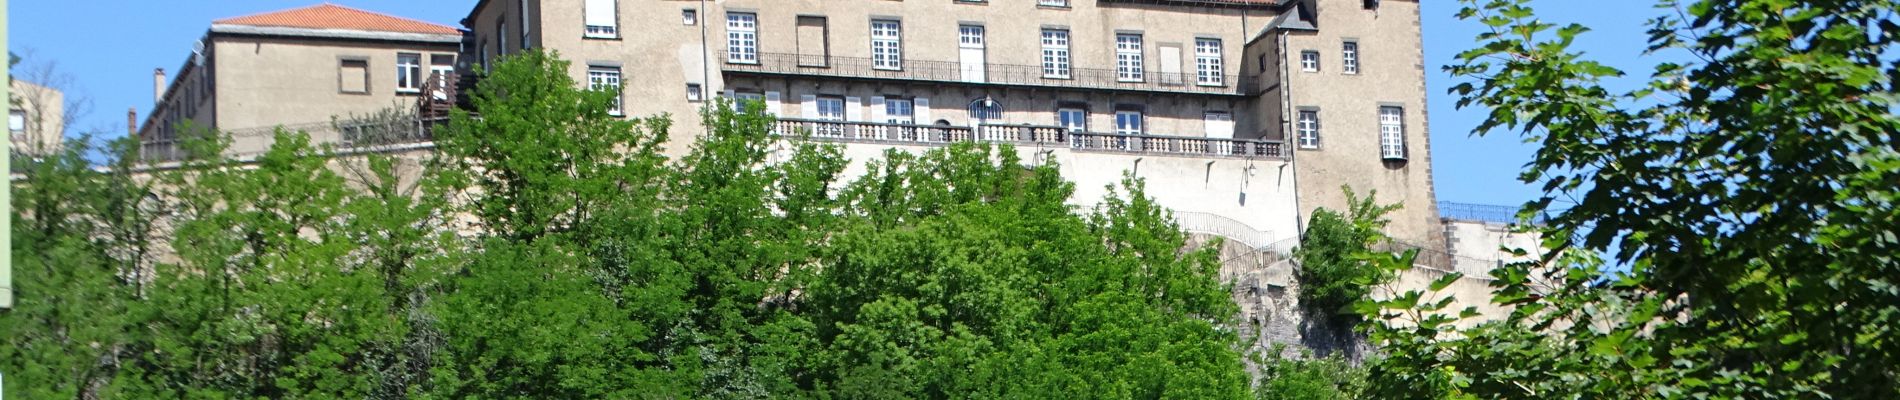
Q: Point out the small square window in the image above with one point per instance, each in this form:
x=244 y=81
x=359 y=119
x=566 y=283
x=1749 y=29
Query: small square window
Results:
x=693 y=93
x=689 y=17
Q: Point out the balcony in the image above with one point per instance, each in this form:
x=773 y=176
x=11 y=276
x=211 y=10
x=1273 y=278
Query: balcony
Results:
x=1048 y=136
x=789 y=64
x=341 y=137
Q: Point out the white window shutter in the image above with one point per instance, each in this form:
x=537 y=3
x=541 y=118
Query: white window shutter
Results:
x=877 y=110
x=920 y=109
x=600 y=13
x=808 y=106
x=773 y=105
x=854 y=109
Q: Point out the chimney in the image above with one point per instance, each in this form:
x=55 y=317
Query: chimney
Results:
x=132 y=122
x=158 y=85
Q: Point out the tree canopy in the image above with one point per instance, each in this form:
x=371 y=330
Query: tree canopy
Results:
x=1747 y=197
x=550 y=250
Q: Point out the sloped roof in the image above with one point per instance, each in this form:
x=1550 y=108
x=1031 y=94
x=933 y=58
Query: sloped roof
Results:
x=331 y=16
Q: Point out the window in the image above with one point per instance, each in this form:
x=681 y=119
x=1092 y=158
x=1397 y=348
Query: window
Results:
x=1128 y=58
x=1309 y=61
x=442 y=64
x=689 y=17
x=524 y=23
x=1350 y=55
x=1391 y=133
x=1053 y=3
x=1128 y=122
x=830 y=108
x=1308 y=127
x=353 y=76
x=1055 y=53
x=886 y=52
x=408 y=72
x=16 y=121
x=985 y=110
x=1075 y=119
x=742 y=38
x=1207 y=62
x=693 y=92
x=606 y=78
x=602 y=19
x=899 y=111
x=970 y=36
x=501 y=34
x=741 y=99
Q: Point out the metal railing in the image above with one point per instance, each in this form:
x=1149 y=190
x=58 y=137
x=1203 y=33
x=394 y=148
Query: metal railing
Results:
x=873 y=132
x=440 y=92
x=343 y=137
x=992 y=73
x=1482 y=213
x=1232 y=229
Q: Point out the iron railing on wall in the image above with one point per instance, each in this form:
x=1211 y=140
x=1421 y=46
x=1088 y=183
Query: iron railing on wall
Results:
x=1482 y=213
x=998 y=74
x=343 y=137
x=872 y=132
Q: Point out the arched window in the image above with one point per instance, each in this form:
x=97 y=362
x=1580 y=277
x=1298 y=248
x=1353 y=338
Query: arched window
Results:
x=986 y=110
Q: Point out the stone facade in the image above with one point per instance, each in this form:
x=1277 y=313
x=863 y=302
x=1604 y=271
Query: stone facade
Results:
x=252 y=73
x=36 y=118
x=1209 y=69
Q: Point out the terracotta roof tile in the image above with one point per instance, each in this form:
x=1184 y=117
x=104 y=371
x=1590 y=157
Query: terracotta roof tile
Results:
x=331 y=16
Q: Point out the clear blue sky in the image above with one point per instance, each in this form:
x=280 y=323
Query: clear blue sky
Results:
x=111 y=46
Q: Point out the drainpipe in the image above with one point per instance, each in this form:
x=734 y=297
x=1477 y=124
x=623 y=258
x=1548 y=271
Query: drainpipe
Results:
x=705 y=60
x=1286 y=126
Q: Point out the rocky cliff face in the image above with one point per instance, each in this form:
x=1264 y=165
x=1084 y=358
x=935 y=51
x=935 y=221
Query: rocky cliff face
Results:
x=1267 y=289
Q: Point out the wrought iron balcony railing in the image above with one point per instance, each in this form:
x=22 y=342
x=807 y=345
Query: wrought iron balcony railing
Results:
x=872 y=132
x=342 y=138
x=991 y=73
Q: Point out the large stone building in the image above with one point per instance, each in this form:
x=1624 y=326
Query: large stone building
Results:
x=1324 y=93
x=1242 y=116
x=298 y=68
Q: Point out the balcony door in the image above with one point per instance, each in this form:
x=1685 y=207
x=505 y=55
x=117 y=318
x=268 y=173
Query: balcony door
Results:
x=970 y=52
x=1220 y=125
x=441 y=68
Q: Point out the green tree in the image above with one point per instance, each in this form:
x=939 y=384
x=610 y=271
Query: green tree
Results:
x=965 y=275
x=547 y=305
x=261 y=301
x=1749 y=191
x=1307 y=378
x=75 y=280
x=682 y=271
x=1332 y=278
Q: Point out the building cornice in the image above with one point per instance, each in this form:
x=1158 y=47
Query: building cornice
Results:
x=336 y=34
